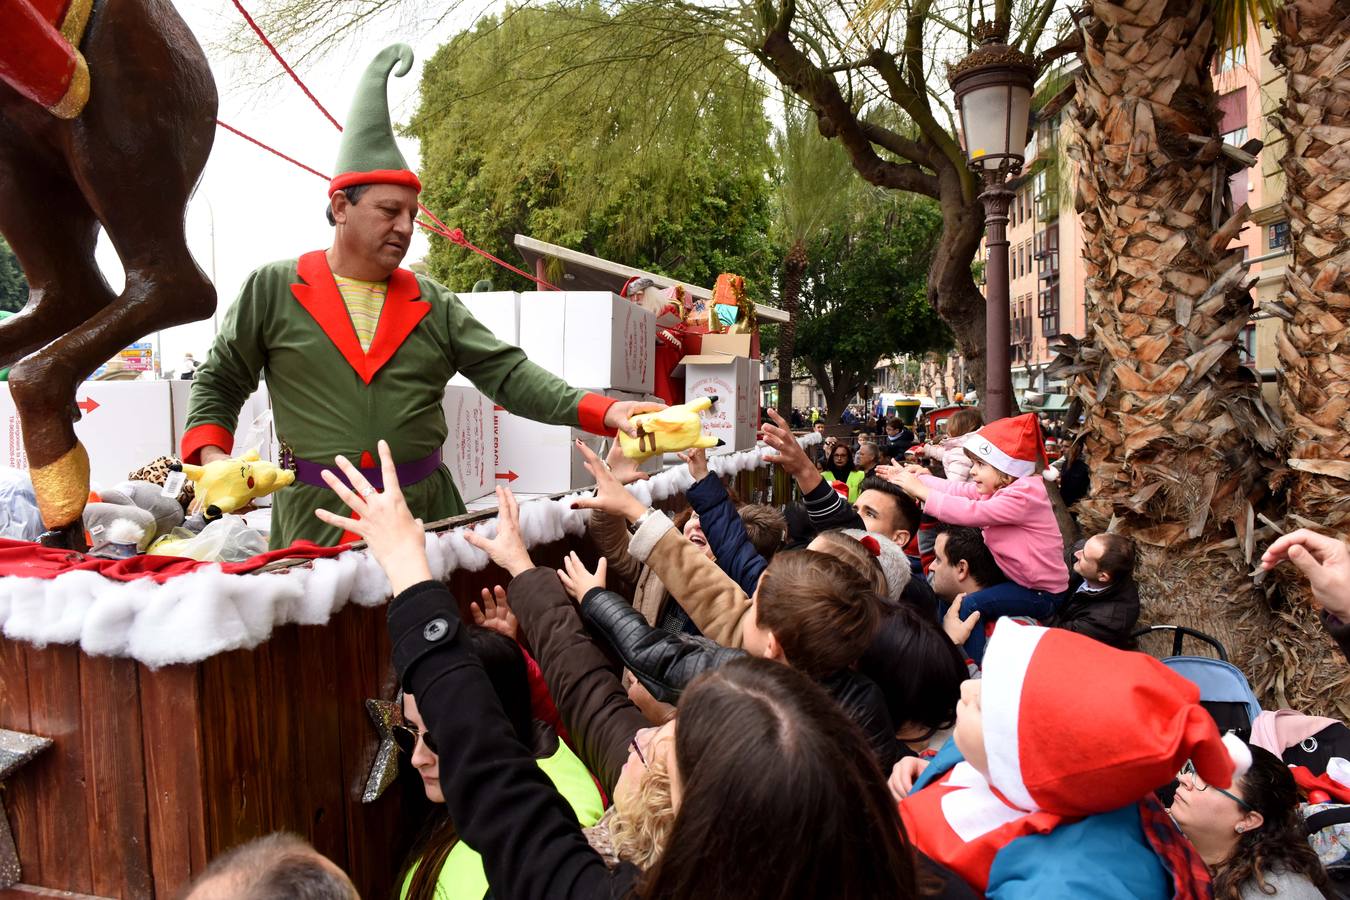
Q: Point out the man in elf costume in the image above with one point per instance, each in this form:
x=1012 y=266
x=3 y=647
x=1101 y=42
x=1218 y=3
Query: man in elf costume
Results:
x=356 y=349
x=1045 y=789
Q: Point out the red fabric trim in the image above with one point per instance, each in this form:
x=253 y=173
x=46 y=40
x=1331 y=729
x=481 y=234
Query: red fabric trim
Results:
x=591 y=414
x=35 y=59
x=207 y=434
x=29 y=560
x=375 y=176
x=320 y=297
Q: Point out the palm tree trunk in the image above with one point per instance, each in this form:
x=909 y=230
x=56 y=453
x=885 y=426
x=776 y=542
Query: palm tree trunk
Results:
x=1176 y=435
x=794 y=264
x=1312 y=38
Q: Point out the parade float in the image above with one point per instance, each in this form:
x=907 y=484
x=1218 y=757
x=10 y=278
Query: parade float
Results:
x=162 y=697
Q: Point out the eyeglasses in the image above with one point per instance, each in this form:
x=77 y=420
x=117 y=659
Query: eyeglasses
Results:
x=1199 y=785
x=638 y=750
x=406 y=737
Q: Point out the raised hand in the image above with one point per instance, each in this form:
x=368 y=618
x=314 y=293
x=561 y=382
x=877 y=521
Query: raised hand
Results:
x=577 y=579
x=494 y=613
x=625 y=470
x=1325 y=561
x=610 y=495
x=396 y=539
x=696 y=458
x=507 y=549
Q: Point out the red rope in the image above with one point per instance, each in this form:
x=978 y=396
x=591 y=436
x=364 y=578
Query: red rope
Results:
x=435 y=226
x=455 y=236
x=289 y=71
x=272 y=150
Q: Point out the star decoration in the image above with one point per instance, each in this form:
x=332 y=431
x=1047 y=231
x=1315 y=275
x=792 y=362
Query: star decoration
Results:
x=385 y=714
x=16 y=748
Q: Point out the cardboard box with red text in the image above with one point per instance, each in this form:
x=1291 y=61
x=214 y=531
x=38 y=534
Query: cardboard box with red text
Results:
x=610 y=343
x=470 y=451
x=733 y=380
x=534 y=458
x=123 y=425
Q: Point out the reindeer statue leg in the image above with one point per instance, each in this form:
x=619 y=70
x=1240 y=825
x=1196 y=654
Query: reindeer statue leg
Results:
x=137 y=151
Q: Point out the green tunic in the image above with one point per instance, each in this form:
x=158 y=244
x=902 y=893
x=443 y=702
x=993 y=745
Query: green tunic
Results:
x=330 y=397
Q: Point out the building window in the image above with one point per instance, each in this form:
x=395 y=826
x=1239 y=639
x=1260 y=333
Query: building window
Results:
x=1247 y=345
x=1232 y=59
x=1277 y=235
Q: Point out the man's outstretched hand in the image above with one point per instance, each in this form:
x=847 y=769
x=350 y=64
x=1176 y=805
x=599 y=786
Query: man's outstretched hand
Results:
x=618 y=414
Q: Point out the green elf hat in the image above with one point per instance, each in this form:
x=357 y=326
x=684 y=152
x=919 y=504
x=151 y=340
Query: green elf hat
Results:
x=368 y=154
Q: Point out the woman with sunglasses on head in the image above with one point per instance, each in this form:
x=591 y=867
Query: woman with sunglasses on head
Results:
x=440 y=866
x=774 y=790
x=1250 y=836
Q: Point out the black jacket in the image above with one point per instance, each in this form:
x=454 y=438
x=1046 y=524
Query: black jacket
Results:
x=501 y=802
x=666 y=663
x=1109 y=615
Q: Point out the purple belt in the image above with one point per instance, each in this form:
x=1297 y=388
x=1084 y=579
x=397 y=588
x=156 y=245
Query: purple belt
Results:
x=408 y=472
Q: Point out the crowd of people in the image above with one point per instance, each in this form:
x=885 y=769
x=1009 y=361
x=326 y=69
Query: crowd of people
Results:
x=906 y=684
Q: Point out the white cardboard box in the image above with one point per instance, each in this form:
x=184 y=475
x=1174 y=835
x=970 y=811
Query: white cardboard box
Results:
x=469 y=449
x=254 y=428
x=499 y=312
x=732 y=379
x=534 y=458
x=124 y=425
x=543 y=329
x=610 y=343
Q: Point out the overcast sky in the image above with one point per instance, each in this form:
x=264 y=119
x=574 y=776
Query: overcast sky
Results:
x=252 y=207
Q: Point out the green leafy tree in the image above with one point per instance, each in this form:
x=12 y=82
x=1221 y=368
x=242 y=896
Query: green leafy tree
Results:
x=661 y=162
x=814 y=176
x=865 y=293
x=13 y=286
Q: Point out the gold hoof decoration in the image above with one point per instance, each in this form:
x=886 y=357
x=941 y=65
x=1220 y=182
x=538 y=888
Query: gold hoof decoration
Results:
x=62 y=487
x=76 y=96
x=75 y=20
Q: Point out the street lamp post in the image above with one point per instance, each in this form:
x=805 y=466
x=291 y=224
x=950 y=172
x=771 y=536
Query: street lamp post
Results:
x=993 y=99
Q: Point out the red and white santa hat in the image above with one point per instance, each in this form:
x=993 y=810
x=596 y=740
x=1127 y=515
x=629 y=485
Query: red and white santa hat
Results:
x=840 y=488
x=1013 y=446
x=1074 y=727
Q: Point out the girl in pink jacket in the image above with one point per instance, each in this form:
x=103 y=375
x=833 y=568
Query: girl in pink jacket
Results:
x=951 y=451
x=1007 y=500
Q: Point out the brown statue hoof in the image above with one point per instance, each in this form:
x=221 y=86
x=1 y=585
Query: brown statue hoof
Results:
x=70 y=537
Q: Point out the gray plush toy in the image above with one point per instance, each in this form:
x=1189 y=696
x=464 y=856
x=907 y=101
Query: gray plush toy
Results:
x=140 y=503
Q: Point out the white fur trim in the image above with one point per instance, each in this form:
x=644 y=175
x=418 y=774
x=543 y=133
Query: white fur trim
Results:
x=644 y=540
x=989 y=452
x=1239 y=752
x=195 y=616
x=1005 y=667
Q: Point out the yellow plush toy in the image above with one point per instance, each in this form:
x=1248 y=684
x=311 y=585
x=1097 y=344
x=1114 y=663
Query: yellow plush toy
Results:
x=670 y=430
x=229 y=484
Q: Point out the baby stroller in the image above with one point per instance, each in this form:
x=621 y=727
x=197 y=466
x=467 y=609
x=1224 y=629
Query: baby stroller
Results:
x=1224 y=690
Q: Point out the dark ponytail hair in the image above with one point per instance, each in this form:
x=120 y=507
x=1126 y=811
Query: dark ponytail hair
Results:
x=1280 y=843
x=782 y=797
x=505 y=667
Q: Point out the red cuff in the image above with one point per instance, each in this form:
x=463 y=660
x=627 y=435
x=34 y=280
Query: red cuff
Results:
x=591 y=414
x=208 y=435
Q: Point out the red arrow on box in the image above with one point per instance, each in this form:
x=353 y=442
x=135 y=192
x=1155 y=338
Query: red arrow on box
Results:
x=88 y=405
x=499 y=409
x=508 y=477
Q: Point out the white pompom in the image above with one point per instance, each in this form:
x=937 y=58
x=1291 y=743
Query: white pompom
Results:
x=1239 y=752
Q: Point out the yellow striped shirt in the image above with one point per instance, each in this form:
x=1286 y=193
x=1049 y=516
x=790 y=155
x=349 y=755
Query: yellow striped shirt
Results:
x=364 y=300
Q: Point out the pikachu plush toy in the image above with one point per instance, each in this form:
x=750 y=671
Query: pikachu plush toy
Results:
x=670 y=430
x=230 y=484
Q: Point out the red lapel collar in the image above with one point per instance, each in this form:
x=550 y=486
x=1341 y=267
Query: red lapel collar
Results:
x=318 y=294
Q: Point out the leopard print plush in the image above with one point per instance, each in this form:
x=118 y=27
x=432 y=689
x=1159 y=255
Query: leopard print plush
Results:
x=157 y=471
